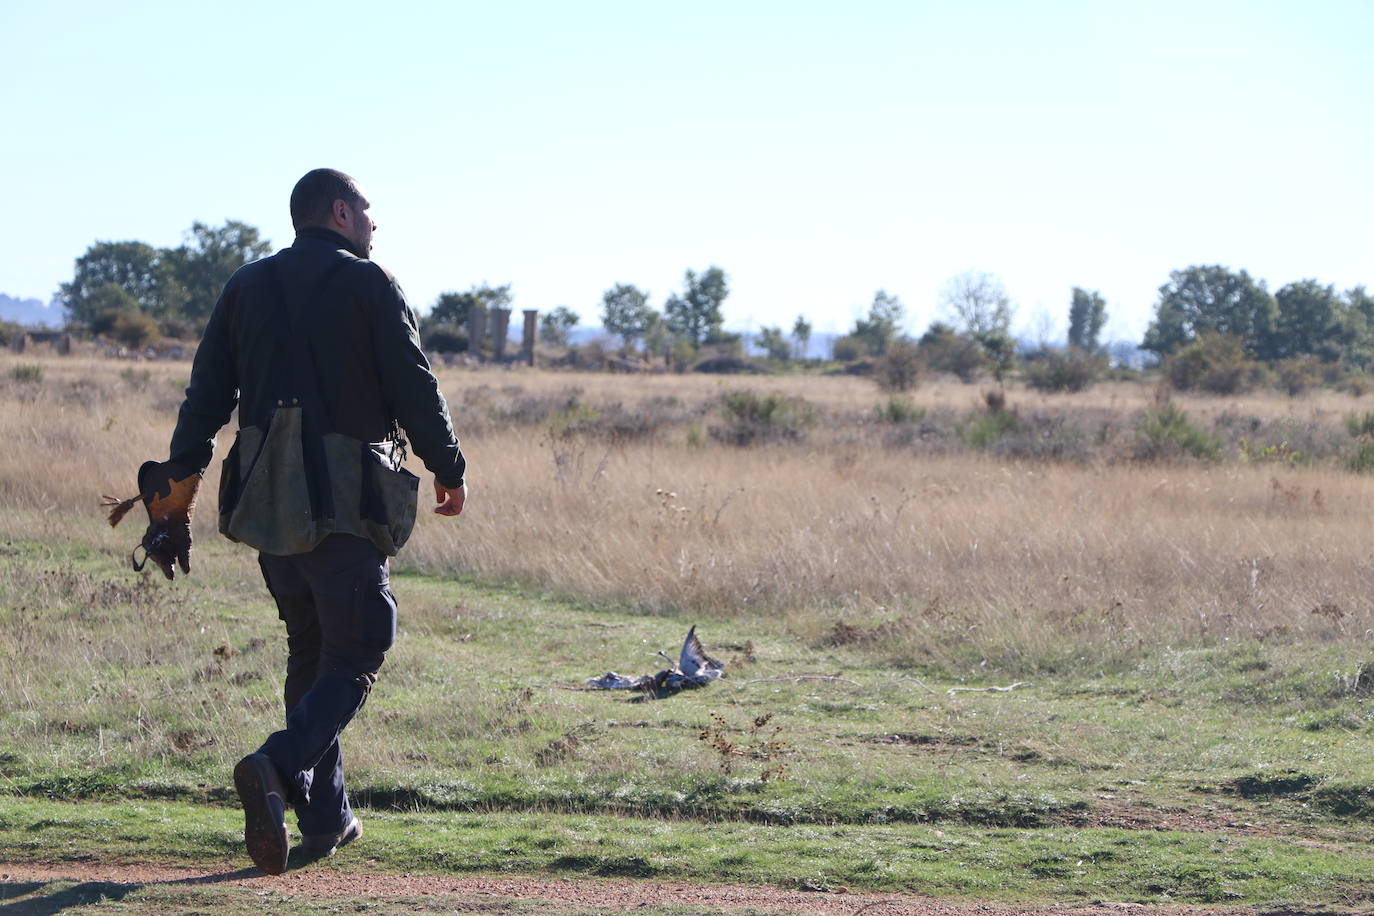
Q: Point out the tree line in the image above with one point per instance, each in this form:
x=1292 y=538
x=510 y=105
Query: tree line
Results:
x=1304 y=318
x=135 y=292
x=690 y=319
x=1213 y=328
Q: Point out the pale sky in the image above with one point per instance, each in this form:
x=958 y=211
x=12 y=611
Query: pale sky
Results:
x=815 y=151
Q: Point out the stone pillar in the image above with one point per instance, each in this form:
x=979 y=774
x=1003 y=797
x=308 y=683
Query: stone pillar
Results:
x=64 y=345
x=531 y=327
x=477 y=330
x=500 y=325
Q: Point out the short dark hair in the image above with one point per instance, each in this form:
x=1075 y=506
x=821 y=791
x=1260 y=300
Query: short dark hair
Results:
x=313 y=196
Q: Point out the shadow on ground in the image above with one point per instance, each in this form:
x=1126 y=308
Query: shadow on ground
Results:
x=61 y=897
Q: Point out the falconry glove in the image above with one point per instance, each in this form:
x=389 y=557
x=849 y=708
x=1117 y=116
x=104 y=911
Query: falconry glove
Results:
x=168 y=492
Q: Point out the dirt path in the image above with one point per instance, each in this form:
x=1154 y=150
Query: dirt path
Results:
x=614 y=895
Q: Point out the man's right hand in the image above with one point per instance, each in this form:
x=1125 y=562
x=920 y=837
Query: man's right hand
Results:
x=450 y=501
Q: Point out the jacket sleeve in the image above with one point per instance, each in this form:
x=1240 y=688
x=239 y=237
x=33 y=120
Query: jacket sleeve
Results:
x=409 y=387
x=212 y=393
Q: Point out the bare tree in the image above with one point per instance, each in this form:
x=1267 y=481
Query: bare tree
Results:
x=977 y=303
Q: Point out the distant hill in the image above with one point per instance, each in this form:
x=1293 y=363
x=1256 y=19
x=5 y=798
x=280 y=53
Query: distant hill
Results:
x=31 y=312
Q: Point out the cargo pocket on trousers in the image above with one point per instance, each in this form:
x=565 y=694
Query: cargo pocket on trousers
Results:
x=295 y=606
x=374 y=614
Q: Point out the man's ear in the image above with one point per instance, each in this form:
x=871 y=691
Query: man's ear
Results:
x=341 y=212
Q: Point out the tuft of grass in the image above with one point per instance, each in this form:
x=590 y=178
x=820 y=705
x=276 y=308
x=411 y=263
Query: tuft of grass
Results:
x=983 y=429
x=752 y=418
x=27 y=373
x=1167 y=431
x=1361 y=460
x=898 y=409
x=136 y=378
x=1359 y=423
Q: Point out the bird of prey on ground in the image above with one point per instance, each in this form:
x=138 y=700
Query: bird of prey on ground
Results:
x=694 y=668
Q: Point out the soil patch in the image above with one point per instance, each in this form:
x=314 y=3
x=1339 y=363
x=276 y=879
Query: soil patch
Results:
x=615 y=896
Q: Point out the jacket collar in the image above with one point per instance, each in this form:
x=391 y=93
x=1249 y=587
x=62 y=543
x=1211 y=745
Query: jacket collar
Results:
x=320 y=234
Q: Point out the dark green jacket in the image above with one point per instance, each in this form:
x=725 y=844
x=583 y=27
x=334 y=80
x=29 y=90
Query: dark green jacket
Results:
x=370 y=368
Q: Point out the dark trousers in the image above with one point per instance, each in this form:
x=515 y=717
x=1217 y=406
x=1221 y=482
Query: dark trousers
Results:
x=340 y=620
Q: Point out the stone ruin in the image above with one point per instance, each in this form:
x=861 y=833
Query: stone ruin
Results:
x=493 y=326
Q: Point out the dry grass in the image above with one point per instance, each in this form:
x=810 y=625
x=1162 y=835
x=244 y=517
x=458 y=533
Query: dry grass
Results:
x=939 y=555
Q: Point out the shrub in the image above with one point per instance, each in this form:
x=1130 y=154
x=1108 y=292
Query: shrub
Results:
x=681 y=352
x=1064 y=370
x=899 y=410
x=1360 y=424
x=136 y=378
x=1332 y=372
x=1043 y=437
x=729 y=365
x=847 y=349
x=1362 y=461
x=943 y=350
x=1215 y=363
x=1167 y=432
x=861 y=367
x=722 y=343
x=589 y=355
x=9 y=332
x=771 y=409
x=574 y=418
x=999 y=351
x=1289 y=440
x=613 y=422
x=178 y=327
x=1296 y=376
x=899 y=369
x=134 y=328
x=982 y=430
x=128 y=324
x=753 y=418
x=102 y=322
x=27 y=372
x=445 y=338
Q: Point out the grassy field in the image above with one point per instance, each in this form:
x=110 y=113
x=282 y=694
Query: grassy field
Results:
x=1188 y=639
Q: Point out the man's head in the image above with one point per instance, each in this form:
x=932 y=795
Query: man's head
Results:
x=329 y=199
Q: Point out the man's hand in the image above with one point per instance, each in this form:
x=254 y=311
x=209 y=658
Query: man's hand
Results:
x=450 y=501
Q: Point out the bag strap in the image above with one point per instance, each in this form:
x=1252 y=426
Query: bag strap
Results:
x=302 y=388
x=296 y=378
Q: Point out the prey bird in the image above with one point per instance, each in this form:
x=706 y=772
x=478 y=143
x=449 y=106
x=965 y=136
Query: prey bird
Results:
x=694 y=668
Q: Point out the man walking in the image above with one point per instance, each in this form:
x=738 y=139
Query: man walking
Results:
x=319 y=351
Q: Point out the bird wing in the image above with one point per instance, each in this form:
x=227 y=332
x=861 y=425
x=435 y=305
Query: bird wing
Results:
x=694 y=662
x=612 y=681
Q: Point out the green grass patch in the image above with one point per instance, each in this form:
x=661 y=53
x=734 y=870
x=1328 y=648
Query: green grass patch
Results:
x=1070 y=865
x=477 y=743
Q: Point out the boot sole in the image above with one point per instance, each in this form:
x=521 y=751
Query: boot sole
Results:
x=264 y=824
x=320 y=851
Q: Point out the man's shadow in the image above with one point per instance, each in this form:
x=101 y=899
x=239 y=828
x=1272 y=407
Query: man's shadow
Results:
x=89 y=892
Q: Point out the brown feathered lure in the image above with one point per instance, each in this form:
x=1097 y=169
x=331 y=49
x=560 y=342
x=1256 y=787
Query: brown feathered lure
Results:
x=168 y=491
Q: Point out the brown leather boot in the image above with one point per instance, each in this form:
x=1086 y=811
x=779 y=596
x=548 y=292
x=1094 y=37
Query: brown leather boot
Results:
x=264 y=812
